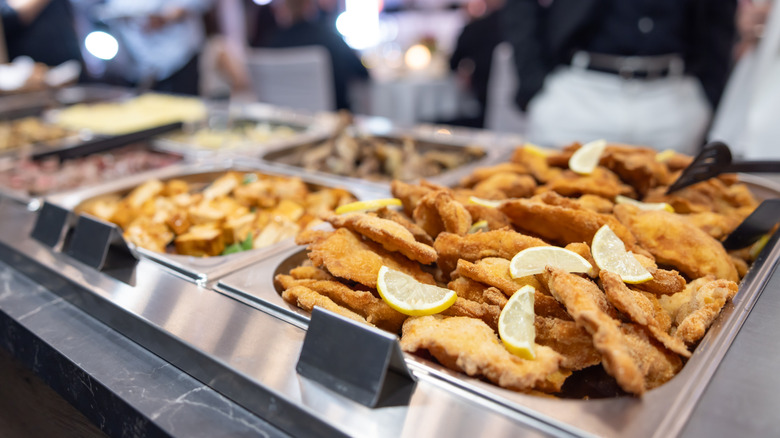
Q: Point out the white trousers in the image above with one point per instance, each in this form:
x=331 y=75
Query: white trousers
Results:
x=583 y=105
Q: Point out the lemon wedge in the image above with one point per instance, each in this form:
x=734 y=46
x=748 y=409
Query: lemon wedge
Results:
x=516 y=323
x=531 y=261
x=485 y=202
x=757 y=247
x=620 y=199
x=610 y=254
x=665 y=155
x=373 y=204
x=405 y=294
x=585 y=159
x=536 y=150
x=479 y=226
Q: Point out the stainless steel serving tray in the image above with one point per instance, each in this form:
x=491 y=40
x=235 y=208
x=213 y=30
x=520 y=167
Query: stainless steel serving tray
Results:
x=198 y=269
x=305 y=127
x=661 y=412
x=443 y=139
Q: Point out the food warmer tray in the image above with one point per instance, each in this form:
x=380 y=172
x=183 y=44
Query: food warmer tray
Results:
x=306 y=127
x=35 y=102
x=199 y=269
x=246 y=348
x=443 y=139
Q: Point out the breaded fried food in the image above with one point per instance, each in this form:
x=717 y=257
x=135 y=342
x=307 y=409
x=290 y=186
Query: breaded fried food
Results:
x=572 y=342
x=715 y=195
x=308 y=272
x=585 y=302
x=536 y=163
x=364 y=303
x=563 y=225
x=636 y=166
x=488 y=313
x=409 y=194
x=481 y=174
x=476 y=291
x=664 y=282
x=391 y=235
x=437 y=212
x=419 y=234
x=676 y=242
x=511 y=185
x=494 y=271
x=583 y=250
x=346 y=255
x=306 y=299
x=494 y=218
x=719 y=225
x=503 y=243
x=695 y=309
x=470 y=346
x=601 y=182
x=596 y=203
x=657 y=364
x=643 y=308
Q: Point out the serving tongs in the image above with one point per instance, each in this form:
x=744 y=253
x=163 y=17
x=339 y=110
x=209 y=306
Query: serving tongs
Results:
x=760 y=222
x=714 y=159
x=107 y=143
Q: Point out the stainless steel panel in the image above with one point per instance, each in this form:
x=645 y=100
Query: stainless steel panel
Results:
x=199 y=269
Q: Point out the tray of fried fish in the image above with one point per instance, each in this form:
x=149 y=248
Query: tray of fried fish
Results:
x=612 y=358
x=203 y=220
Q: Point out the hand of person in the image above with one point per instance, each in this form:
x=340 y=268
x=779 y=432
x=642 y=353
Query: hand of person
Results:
x=751 y=18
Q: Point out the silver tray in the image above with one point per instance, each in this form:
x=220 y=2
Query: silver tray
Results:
x=425 y=140
x=661 y=412
x=305 y=127
x=198 y=269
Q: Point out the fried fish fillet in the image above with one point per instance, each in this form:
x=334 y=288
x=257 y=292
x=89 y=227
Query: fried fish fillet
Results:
x=391 y=235
x=470 y=346
x=601 y=182
x=345 y=255
x=676 y=242
x=306 y=299
x=481 y=174
x=664 y=282
x=437 y=212
x=364 y=303
x=643 y=308
x=585 y=302
x=511 y=185
x=488 y=313
x=476 y=291
x=563 y=225
x=494 y=218
x=536 y=164
x=419 y=234
x=503 y=243
x=308 y=272
x=695 y=309
x=657 y=364
x=572 y=342
x=636 y=166
x=409 y=194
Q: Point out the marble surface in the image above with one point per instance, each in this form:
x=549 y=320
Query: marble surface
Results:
x=121 y=387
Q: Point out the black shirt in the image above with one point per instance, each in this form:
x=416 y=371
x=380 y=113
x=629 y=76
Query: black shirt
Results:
x=476 y=43
x=50 y=38
x=638 y=28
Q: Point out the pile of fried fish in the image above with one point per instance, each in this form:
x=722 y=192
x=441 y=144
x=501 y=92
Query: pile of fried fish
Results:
x=640 y=334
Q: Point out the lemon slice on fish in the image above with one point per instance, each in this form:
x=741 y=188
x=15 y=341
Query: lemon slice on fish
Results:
x=516 y=323
x=479 y=226
x=485 y=202
x=537 y=150
x=585 y=159
x=373 y=204
x=665 y=155
x=405 y=294
x=610 y=254
x=757 y=247
x=620 y=199
x=531 y=261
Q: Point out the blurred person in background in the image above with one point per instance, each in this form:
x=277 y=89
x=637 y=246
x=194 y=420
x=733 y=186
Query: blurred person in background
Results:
x=473 y=54
x=644 y=72
x=299 y=26
x=40 y=29
x=223 y=72
x=163 y=38
x=747 y=120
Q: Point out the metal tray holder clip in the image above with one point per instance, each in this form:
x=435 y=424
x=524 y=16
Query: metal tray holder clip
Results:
x=362 y=363
x=99 y=244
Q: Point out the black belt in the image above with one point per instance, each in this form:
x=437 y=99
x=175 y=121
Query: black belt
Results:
x=630 y=67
